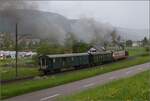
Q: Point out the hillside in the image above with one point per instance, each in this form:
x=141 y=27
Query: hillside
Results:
x=40 y=24
x=54 y=27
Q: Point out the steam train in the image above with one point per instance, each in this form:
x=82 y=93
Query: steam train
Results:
x=59 y=62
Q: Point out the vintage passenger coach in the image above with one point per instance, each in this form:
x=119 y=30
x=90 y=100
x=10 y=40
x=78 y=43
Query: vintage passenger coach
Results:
x=55 y=63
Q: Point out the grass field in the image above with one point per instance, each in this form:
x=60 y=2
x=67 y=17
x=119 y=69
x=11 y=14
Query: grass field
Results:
x=136 y=51
x=8 y=71
x=21 y=61
x=136 y=88
x=18 y=88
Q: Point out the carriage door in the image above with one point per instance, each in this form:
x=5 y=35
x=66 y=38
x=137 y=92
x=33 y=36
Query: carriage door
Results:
x=43 y=63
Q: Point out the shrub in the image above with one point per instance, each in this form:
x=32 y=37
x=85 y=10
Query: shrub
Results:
x=147 y=49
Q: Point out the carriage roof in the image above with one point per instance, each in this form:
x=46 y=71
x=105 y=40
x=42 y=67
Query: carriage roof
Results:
x=74 y=54
x=66 y=55
x=96 y=53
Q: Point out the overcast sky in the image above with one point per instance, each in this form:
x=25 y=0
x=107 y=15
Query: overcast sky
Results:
x=127 y=14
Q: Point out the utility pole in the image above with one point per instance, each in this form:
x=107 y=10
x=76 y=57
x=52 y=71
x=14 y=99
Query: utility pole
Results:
x=16 y=48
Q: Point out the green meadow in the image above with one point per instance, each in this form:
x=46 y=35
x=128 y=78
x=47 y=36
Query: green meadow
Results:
x=136 y=88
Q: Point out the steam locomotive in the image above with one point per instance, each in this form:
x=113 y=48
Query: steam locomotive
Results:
x=59 y=62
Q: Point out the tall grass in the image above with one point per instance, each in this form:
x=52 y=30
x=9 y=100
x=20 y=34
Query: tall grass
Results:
x=25 y=68
x=9 y=73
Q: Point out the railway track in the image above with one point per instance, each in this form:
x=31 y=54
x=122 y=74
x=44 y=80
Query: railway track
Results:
x=16 y=80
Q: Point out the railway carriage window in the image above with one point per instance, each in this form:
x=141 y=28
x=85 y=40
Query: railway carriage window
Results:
x=72 y=58
x=83 y=58
x=54 y=60
x=63 y=63
x=80 y=58
x=43 y=60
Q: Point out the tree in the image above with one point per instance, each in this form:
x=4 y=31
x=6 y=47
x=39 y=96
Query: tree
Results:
x=114 y=36
x=45 y=48
x=7 y=42
x=70 y=40
x=79 y=47
x=144 y=41
x=129 y=43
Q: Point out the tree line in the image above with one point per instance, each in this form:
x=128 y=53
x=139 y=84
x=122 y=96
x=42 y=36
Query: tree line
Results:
x=71 y=45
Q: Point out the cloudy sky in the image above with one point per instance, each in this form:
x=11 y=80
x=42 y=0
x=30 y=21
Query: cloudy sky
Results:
x=127 y=14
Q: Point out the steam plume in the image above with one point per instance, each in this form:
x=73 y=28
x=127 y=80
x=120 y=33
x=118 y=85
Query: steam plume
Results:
x=88 y=29
x=54 y=28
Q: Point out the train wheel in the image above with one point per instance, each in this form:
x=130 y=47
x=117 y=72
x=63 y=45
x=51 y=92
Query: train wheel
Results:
x=77 y=67
x=57 y=70
x=45 y=72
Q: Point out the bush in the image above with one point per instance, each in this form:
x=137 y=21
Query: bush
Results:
x=35 y=59
x=147 y=49
x=146 y=52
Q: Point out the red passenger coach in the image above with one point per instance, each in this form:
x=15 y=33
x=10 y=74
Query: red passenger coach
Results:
x=120 y=55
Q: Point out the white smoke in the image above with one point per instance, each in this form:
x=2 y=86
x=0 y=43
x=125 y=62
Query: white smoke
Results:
x=88 y=29
x=85 y=29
